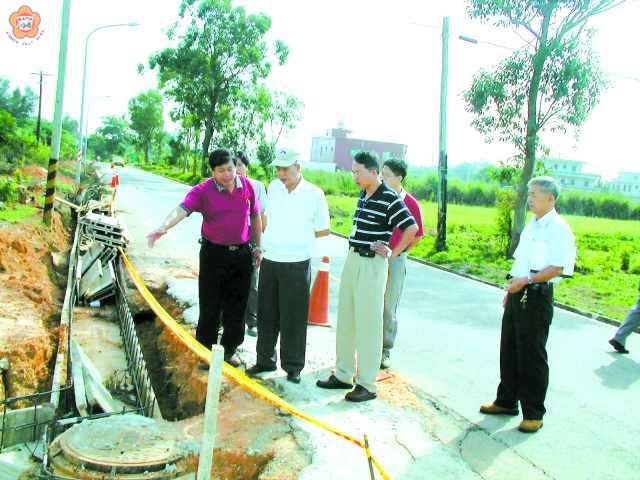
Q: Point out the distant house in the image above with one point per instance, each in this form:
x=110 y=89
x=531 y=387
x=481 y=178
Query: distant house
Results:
x=627 y=184
x=570 y=175
x=338 y=149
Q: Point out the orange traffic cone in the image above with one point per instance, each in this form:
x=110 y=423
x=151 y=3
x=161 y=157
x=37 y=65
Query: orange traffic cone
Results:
x=115 y=179
x=319 y=301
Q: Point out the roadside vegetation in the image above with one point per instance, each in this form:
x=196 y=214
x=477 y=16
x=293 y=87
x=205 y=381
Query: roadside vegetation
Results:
x=607 y=266
x=608 y=262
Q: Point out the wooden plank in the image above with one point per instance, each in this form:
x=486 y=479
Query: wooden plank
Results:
x=19 y=424
x=60 y=371
x=67 y=203
x=78 y=382
x=94 y=386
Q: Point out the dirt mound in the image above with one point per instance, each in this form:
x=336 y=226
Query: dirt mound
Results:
x=28 y=300
x=36 y=172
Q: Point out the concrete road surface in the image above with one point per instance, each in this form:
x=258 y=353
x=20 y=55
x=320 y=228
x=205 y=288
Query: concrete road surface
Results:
x=447 y=347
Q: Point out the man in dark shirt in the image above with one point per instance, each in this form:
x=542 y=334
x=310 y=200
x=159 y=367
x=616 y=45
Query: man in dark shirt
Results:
x=364 y=279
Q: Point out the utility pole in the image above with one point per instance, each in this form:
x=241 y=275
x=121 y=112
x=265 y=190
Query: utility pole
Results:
x=57 y=116
x=40 y=74
x=441 y=239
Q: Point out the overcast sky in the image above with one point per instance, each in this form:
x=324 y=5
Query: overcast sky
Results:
x=365 y=63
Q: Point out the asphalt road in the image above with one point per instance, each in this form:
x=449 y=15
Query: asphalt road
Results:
x=447 y=347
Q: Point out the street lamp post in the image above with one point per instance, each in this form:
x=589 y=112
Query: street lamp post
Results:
x=84 y=78
x=441 y=239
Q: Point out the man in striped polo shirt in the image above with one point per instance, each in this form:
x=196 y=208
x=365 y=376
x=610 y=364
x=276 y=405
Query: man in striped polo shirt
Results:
x=364 y=279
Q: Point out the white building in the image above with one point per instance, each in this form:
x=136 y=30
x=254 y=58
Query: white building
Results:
x=570 y=175
x=627 y=184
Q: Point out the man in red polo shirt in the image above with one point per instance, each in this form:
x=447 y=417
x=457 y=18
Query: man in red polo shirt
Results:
x=230 y=216
x=394 y=173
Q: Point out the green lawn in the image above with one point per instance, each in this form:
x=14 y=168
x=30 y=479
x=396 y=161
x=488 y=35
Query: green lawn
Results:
x=600 y=284
x=607 y=267
x=17 y=213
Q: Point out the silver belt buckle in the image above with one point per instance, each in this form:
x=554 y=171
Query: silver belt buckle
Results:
x=233 y=248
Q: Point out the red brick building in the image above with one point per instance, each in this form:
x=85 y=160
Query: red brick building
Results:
x=338 y=149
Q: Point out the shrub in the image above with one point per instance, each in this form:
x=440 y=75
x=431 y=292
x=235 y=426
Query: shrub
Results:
x=505 y=205
x=9 y=190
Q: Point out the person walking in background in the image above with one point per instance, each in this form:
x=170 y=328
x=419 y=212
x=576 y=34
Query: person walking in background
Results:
x=364 y=280
x=230 y=218
x=631 y=322
x=251 y=314
x=298 y=214
x=394 y=173
x=546 y=251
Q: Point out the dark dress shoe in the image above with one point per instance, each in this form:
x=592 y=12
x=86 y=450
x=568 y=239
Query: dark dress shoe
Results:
x=359 y=394
x=293 y=377
x=618 y=346
x=257 y=368
x=233 y=360
x=333 y=383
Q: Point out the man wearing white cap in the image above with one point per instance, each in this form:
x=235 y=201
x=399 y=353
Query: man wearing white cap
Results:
x=298 y=214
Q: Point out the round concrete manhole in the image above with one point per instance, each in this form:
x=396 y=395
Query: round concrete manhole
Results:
x=125 y=445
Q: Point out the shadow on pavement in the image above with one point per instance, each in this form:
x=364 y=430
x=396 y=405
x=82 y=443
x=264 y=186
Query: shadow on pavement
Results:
x=620 y=374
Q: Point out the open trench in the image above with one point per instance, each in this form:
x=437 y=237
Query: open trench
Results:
x=254 y=441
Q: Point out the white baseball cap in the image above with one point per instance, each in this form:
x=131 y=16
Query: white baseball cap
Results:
x=285 y=158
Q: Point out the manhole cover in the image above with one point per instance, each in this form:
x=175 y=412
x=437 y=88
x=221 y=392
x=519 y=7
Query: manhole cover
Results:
x=123 y=444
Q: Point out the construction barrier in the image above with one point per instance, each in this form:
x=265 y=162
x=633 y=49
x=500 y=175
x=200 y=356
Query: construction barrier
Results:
x=233 y=374
x=319 y=299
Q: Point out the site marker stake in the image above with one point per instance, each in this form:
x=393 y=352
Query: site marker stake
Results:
x=205 y=463
x=368 y=452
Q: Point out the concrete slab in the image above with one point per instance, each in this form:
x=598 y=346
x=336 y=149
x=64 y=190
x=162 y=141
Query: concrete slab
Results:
x=16 y=462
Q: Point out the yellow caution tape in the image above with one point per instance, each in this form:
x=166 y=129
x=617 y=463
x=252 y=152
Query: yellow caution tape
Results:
x=230 y=372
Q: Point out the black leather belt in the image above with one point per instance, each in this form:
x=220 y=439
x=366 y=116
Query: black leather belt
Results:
x=230 y=248
x=539 y=287
x=363 y=251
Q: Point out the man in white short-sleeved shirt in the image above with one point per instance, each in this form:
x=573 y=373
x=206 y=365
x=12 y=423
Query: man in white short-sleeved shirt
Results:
x=546 y=252
x=298 y=214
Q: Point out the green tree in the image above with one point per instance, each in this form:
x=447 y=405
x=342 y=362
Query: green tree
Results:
x=220 y=51
x=20 y=105
x=282 y=114
x=70 y=124
x=145 y=112
x=111 y=138
x=550 y=84
x=244 y=126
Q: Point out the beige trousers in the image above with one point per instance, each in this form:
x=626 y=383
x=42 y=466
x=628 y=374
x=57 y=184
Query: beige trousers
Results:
x=359 y=330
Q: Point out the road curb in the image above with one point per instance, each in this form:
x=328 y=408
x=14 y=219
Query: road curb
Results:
x=563 y=306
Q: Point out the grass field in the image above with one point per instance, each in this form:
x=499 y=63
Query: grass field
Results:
x=17 y=213
x=605 y=247
x=607 y=266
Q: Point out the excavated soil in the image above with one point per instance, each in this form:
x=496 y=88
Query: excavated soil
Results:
x=32 y=275
x=253 y=437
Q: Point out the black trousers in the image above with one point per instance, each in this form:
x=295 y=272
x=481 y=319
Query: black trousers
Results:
x=223 y=288
x=251 y=314
x=283 y=308
x=524 y=372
